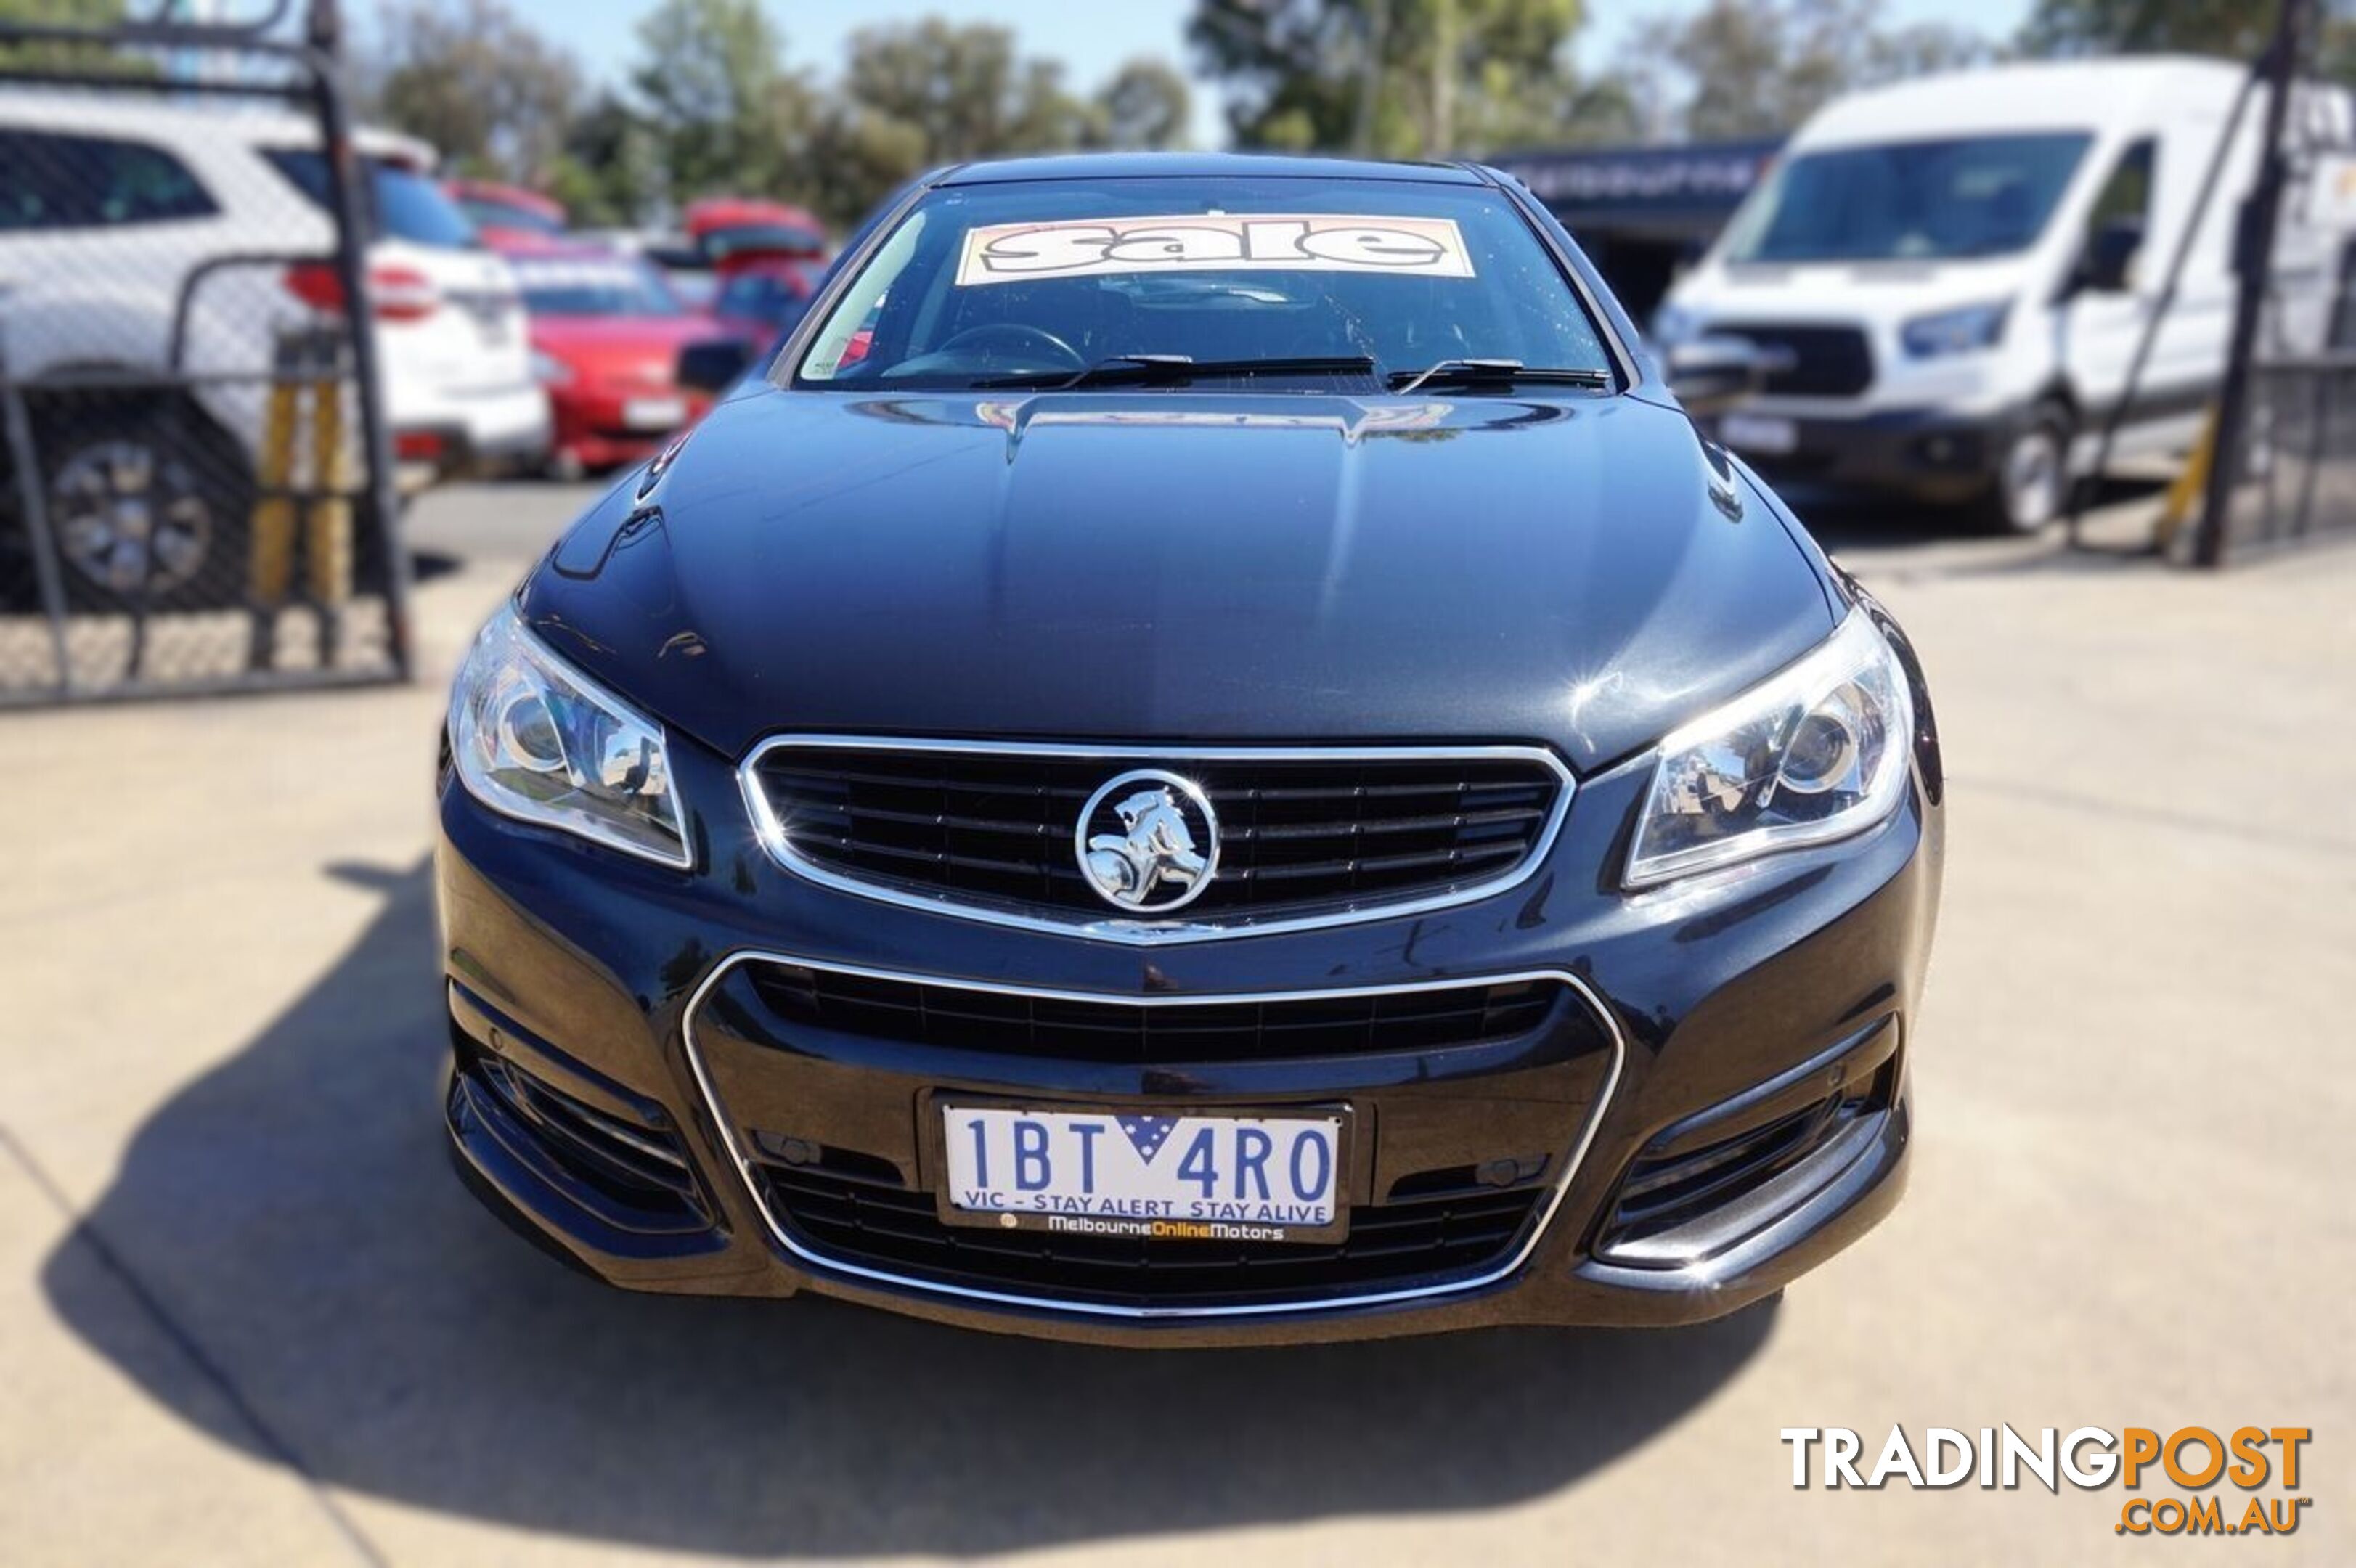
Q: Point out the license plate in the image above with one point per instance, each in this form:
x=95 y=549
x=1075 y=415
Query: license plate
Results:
x=1134 y=1173
x=654 y=414
x=1759 y=433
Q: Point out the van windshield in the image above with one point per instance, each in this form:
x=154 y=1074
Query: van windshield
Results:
x=1906 y=202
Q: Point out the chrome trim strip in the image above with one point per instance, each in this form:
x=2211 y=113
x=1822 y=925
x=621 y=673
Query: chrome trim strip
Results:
x=771 y=832
x=1577 y=1155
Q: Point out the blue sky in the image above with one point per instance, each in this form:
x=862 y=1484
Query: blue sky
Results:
x=1094 y=37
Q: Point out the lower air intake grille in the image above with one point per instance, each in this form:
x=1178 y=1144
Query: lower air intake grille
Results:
x=855 y=1210
x=958 y=1017
x=636 y=1178
x=1664 y=1194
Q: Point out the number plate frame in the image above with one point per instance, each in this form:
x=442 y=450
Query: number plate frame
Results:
x=1769 y=435
x=1352 y=1175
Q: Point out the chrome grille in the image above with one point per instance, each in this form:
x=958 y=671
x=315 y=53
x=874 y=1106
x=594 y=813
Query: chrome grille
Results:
x=1305 y=834
x=1823 y=361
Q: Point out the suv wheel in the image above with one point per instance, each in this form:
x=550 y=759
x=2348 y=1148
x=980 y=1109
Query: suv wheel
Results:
x=148 y=503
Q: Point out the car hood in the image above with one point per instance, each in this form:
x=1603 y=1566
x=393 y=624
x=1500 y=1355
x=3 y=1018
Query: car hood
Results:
x=1151 y=566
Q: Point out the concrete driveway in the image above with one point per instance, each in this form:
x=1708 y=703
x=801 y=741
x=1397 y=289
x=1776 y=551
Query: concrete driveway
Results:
x=248 y=1315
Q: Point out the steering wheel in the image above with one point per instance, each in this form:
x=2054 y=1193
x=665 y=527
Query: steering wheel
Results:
x=1010 y=340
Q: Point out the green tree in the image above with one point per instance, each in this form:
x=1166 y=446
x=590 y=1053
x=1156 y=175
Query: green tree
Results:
x=964 y=90
x=930 y=92
x=1400 y=78
x=857 y=156
x=1144 y=105
x=63 y=56
x=723 y=111
x=2235 y=28
x=610 y=174
x=1758 y=68
x=472 y=78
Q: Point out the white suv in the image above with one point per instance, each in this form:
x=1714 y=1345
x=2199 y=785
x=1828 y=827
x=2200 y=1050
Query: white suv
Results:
x=112 y=211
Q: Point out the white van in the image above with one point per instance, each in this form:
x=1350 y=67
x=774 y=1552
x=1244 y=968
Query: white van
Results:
x=1949 y=277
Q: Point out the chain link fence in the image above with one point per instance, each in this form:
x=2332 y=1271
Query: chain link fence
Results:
x=2283 y=449
x=194 y=483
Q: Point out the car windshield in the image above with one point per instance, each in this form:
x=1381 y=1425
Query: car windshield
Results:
x=980 y=283
x=592 y=286
x=785 y=240
x=1906 y=202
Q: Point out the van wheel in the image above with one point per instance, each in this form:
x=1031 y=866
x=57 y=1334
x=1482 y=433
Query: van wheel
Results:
x=148 y=503
x=2032 y=476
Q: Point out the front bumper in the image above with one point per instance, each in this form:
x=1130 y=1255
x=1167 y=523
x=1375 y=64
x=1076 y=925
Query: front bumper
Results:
x=1931 y=454
x=455 y=434
x=602 y=1007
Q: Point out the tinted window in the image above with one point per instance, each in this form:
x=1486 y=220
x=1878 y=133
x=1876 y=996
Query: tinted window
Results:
x=592 y=286
x=401 y=205
x=91 y=182
x=978 y=280
x=1984 y=196
x=412 y=208
x=2127 y=193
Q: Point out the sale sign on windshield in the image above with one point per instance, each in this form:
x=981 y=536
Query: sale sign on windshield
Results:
x=1224 y=242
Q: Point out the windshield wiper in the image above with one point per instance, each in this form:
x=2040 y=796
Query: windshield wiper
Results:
x=1115 y=369
x=1502 y=371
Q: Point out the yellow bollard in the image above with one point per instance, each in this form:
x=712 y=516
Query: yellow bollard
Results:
x=2189 y=488
x=328 y=535
x=273 y=549
x=306 y=398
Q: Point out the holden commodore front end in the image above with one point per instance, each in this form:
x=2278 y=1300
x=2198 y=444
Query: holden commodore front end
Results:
x=1207 y=760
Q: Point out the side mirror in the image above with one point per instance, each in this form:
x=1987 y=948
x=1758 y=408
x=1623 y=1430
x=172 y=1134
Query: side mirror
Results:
x=1710 y=374
x=2107 y=267
x=714 y=365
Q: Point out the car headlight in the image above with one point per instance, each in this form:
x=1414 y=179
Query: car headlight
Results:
x=1816 y=751
x=549 y=370
x=536 y=739
x=1955 y=331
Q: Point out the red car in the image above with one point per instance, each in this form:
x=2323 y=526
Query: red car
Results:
x=606 y=335
x=503 y=213
x=768 y=259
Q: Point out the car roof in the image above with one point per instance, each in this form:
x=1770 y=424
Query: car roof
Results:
x=1201 y=165
x=253 y=122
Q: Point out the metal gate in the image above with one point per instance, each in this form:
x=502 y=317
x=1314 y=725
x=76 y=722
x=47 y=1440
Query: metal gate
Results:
x=196 y=484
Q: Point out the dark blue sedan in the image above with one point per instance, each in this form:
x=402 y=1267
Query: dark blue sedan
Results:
x=1209 y=757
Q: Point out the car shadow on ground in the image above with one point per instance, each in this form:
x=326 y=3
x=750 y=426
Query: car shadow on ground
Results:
x=295 y=1214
